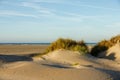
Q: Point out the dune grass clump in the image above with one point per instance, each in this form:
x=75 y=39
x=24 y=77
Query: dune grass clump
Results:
x=104 y=45
x=115 y=39
x=68 y=44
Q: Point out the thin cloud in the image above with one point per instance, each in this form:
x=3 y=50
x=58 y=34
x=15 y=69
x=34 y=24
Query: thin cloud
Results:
x=58 y=17
x=100 y=7
x=65 y=18
x=48 y=1
x=14 y=13
x=27 y=4
x=82 y=4
x=36 y=7
x=52 y=13
x=98 y=17
x=32 y=4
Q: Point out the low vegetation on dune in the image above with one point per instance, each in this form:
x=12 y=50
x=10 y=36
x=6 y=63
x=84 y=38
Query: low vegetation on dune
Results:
x=104 y=45
x=68 y=44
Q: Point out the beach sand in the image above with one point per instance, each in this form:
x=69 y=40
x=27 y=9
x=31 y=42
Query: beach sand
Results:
x=57 y=65
x=22 y=49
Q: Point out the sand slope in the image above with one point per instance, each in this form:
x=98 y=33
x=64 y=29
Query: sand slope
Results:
x=33 y=71
x=60 y=65
x=112 y=53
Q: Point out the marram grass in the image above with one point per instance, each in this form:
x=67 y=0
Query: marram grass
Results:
x=68 y=44
x=104 y=45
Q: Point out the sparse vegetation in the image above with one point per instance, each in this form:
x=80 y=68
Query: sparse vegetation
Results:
x=75 y=64
x=104 y=45
x=68 y=44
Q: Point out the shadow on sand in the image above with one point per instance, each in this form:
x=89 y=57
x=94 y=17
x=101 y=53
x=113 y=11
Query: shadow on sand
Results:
x=55 y=65
x=114 y=74
x=14 y=58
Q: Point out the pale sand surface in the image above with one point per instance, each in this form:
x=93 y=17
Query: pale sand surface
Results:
x=58 y=65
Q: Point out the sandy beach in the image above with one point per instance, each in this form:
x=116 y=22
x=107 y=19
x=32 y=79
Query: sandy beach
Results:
x=59 y=39
x=57 y=65
x=22 y=49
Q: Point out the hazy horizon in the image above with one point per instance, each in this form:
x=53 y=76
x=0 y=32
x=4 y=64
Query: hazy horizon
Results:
x=34 y=21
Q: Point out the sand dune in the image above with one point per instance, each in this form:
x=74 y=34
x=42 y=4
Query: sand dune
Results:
x=112 y=53
x=60 y=65
x=33 y=71
x=69 y=57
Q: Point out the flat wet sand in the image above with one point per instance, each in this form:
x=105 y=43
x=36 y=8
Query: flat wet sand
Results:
x=22 y=49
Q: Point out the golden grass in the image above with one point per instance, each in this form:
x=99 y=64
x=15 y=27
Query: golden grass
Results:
x=68 y=44
x=104 y=45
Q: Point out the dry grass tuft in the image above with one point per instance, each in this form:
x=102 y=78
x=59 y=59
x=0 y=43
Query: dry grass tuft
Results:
x=104 y=45
x=68 y=44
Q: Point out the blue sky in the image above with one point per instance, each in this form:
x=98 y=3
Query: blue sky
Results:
x=47 y=20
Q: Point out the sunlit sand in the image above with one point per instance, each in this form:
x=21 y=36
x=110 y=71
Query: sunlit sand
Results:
x=57 y=65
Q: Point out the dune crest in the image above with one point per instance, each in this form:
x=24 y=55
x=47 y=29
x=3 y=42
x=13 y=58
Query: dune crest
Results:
x=67 y=57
